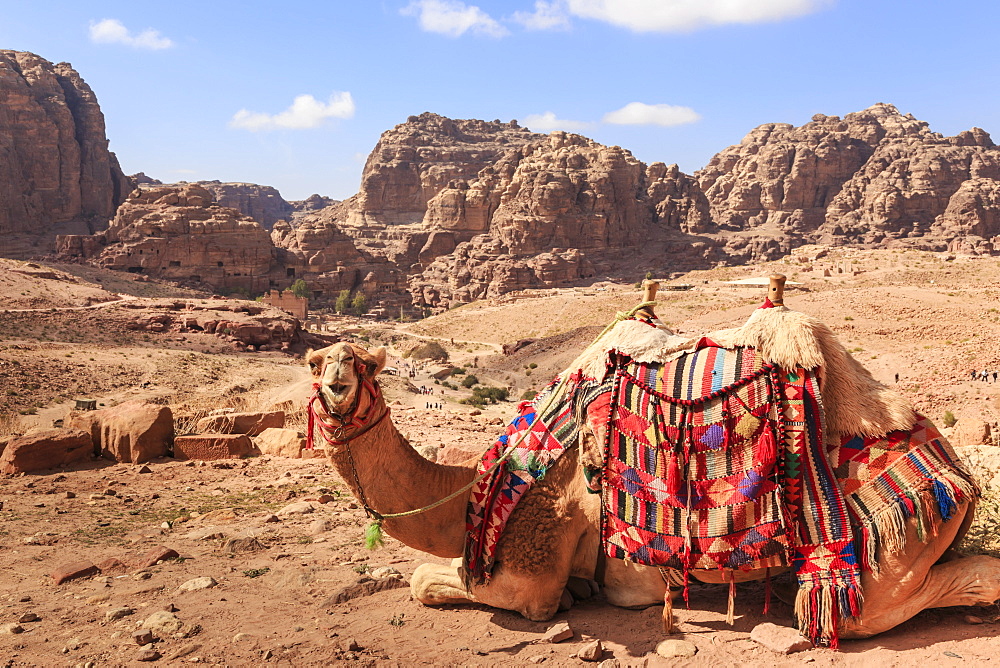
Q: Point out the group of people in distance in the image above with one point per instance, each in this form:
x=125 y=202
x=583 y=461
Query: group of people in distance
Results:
x=984 y=375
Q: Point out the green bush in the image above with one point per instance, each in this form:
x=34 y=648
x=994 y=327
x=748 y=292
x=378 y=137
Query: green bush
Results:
x=949 y=419
x=343 y=301
x=300 y=289
x=528 y=395
x=469 y=381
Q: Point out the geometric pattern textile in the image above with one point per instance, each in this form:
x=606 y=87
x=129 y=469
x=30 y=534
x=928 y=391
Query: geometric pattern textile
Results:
x=694 y=484
x=718 y=460
x=529 y=446
x=694 y=477
x=903 y=474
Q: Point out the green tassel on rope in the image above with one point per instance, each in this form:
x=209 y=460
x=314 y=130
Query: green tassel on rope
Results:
x=373 y=535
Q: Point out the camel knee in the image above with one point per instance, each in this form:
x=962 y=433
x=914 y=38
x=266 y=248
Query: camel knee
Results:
x=432 y=584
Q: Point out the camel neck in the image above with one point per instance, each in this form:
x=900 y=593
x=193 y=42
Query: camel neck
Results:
x=395 y=478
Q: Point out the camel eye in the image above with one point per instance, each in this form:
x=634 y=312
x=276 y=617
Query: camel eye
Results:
x=313 y=365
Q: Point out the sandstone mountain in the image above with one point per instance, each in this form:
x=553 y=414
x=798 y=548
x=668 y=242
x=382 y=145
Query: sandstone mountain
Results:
x=262 y=203
x=873 y=177
x=181 y=233
x=56 y=173
x=455 y=210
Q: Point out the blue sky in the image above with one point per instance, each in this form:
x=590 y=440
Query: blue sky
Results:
x=295 y=94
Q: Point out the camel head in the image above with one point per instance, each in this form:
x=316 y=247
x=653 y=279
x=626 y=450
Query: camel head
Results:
x=339 y=370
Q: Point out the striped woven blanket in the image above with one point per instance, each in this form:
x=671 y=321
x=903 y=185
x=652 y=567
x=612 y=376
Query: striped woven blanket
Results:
x=716 y=460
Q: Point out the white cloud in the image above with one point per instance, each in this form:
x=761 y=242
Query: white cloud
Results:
x=547 y=16
x=548 y=121
x=453 y=18
x=305 y=112
x=686 y=15
x=638 y=113
x=112 y=31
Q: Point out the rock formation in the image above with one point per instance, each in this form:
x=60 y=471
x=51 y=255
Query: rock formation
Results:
x=262 y=203
x=56 y=173
x=554 y=211
x=178 y=232
x=415 y=160
x=875 y=176
x=455 y=210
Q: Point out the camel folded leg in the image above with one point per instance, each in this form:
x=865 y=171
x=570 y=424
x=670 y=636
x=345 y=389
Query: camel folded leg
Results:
x=536 y=598
x=912 y=580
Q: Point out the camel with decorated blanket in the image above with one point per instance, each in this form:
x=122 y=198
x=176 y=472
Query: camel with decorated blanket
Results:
x=655 y=460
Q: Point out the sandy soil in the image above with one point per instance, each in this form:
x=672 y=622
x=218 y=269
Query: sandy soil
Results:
x=279 y=583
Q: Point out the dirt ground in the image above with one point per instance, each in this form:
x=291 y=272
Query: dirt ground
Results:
x=297 y=588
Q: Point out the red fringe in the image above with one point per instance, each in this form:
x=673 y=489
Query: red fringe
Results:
x=767 y=590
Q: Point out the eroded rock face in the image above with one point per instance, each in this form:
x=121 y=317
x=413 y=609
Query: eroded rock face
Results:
x=135 y=431
x=179 y=232
x=548 y=207
x=875 y=176
x=45 y=449
x=56 y=172
x=262 y=203
x=415 y=160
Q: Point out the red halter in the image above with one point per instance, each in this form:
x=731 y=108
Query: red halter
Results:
x=338 y=434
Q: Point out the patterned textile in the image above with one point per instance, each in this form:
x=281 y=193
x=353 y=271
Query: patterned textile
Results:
x=887 y=479
x=687 y=486
x=529 y=446
x=694 y=478
x=717 y=460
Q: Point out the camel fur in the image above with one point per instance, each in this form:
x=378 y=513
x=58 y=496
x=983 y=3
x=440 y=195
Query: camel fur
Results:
x=553 y=534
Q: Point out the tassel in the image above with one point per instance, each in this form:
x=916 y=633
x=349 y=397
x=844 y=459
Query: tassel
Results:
x=309 y=431
x=673 y=477
x=767 y=590
x=767 y=449
x=731 y=612
x=668 y=612
x=373 y=535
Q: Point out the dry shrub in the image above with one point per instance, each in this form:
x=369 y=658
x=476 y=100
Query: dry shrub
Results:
x=983 y=536
x=187 y=415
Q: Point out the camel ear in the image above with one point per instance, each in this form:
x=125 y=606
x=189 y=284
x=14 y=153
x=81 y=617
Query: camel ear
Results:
x=314 y=360
x=380 y=356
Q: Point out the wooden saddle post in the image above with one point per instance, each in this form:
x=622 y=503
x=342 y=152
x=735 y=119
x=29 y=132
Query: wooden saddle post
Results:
x=776 y=292
x=649 y=289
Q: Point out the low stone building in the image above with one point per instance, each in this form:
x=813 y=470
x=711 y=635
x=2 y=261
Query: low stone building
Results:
x=286 y=301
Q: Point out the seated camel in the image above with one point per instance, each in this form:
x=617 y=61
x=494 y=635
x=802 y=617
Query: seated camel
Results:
x=556 y=529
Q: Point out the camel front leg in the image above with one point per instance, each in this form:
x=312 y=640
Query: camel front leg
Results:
x=433 y=584
x=536 y=598
x=909 y=581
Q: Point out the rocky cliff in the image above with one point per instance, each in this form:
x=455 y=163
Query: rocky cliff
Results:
x=415 y=160
x=56 y=173
x=454 y=210
x=262 y=203
x=873 y=177
x=180 y=233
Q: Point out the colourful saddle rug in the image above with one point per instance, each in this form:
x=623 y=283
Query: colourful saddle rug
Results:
x=695 y=479
x=529 y=446
x=716 y=460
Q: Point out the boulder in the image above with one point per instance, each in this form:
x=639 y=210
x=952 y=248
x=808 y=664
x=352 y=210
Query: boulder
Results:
x=213 y=446
x=971 y=430
x=780 y=639
x=134 y=431
x=46 y=449
x=281 y=442
x=251 y=424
